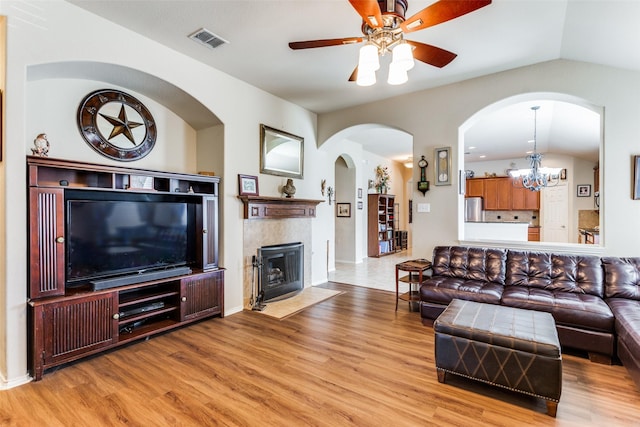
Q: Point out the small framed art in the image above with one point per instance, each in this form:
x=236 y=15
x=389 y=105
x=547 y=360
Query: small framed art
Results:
x=443 y=166
x=584 y=190
x=344 y=209
x=636 y=177
x=248 y=185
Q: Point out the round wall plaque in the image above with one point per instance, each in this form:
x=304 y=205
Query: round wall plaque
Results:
x=116 y=125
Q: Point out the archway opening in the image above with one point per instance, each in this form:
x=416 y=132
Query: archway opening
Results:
x=568 y=133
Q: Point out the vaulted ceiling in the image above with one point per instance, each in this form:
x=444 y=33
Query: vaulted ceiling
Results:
x=503 y=35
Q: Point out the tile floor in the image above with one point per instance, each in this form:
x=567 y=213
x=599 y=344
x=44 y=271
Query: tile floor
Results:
x=377 y=273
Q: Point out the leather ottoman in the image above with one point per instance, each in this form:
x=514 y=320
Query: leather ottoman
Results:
x=508 y=347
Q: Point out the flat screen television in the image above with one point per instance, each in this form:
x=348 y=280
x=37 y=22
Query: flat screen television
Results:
x=114 y=234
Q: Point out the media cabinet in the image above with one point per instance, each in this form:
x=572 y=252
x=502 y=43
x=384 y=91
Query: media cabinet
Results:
x=67 y=323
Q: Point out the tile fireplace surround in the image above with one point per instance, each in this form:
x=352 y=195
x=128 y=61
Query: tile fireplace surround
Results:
x=258 y=233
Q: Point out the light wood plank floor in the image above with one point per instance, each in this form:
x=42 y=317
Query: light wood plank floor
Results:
x=350 y=360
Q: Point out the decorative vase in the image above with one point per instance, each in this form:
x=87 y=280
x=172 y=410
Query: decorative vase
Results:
x=289 y=189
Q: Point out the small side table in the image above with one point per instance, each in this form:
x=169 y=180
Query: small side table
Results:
x=416 y=269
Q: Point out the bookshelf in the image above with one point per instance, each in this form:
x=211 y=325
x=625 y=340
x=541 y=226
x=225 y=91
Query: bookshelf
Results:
x=380 y=225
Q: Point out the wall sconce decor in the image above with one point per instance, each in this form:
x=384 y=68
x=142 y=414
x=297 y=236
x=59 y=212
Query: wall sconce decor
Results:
x=423 y=184
x=330 y=194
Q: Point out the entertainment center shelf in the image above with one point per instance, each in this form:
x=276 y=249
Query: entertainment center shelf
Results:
x=176 y=223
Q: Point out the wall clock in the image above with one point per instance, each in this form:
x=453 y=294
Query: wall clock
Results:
x=116 y=125
x=423 y=184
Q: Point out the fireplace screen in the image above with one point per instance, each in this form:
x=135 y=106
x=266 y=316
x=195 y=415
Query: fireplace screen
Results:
x=282 y=270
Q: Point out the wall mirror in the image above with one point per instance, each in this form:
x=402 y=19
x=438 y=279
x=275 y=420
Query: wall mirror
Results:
x=281 y=153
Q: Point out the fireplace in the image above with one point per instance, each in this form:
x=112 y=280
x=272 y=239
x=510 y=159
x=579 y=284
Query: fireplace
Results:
x=281 y=271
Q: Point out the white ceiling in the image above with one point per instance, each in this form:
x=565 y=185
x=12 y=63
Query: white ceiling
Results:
x=504 y=35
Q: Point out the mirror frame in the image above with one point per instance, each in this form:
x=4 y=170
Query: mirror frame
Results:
x=267 y=132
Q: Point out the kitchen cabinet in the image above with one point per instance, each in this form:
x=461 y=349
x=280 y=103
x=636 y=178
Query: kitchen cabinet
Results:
x=474 y=188
x=497 y=194
x=523 y=199
x=534 y=234
x=503 y=194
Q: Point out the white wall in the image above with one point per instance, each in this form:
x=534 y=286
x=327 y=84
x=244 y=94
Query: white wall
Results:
x=37 y=104
x=434 y=118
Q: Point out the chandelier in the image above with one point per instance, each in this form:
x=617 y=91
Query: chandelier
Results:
x=380 y=41
x=536 y=177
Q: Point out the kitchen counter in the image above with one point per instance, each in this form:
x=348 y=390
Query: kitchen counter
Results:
x=510 y=231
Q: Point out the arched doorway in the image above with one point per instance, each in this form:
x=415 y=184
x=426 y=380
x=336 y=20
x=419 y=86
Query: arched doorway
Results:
x=347 y=231
x=569 y=135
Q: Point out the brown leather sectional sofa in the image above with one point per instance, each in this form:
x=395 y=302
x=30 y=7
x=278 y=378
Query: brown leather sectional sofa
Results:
x=594 y=301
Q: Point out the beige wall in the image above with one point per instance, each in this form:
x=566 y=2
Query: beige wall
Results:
x=448 y=108
x=45 y=84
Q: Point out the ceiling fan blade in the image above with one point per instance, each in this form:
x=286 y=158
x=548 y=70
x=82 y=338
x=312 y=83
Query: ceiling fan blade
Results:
x=323 y=43
x=370 y=12
x=431 y=55
x=354 y=75
x=440 y=12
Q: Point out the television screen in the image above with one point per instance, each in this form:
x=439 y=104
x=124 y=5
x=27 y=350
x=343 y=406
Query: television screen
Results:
x=107 y=238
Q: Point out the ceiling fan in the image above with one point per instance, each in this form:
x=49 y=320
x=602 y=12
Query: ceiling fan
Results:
x=384 y=26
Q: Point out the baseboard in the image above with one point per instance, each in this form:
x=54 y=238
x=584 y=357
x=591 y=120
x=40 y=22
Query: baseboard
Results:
x=6 y=385
x=233 y=310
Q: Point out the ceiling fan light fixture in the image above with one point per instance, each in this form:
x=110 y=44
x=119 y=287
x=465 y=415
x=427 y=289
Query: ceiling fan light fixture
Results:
x=403 y=56
x=366 y=77
x=368 y=59
x=397 y=74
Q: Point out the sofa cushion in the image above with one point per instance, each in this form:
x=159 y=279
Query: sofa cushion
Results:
x=627 y=314
x=442 y=289
x=622 y=277
x=478 y=264
x=568 y=308
x=555 y=272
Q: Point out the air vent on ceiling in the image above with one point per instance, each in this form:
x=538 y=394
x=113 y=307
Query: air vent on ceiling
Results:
x=207 y=38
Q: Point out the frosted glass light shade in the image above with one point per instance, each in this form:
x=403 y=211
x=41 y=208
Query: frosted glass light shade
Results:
x=366 y=77
x=368 y=59
x=397 y=74
x=403 y=56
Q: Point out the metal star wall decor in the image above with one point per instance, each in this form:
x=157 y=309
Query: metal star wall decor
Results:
x=129 y=125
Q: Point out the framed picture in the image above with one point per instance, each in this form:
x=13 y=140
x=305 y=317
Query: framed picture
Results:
x=248 y=185
x=360 y=205
x=584 y=190
x=563 y=174
x=344 y=209
x=281 y=153
x=636 y=177
x=443 y=166
x=359 y=193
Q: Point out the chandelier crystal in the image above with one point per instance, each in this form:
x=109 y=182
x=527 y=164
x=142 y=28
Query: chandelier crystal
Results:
x=536 y=177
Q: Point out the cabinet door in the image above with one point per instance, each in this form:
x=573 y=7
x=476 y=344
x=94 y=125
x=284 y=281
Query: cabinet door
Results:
x=68 y=329
x=475 y=188
x=523 y=199
x=202 y=295
x=210 y=232
x=497 y=194
x=46 y=236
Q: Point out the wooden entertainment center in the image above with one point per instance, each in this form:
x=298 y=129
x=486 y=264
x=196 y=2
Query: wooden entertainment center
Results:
x=67 y=323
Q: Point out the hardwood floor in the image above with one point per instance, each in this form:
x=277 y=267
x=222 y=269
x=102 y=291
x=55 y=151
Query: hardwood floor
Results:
x=350 y=360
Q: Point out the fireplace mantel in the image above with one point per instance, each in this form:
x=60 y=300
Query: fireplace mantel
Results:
x=258 y=207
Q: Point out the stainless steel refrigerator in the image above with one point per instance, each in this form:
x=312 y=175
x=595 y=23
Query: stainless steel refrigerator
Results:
x=473 y=209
